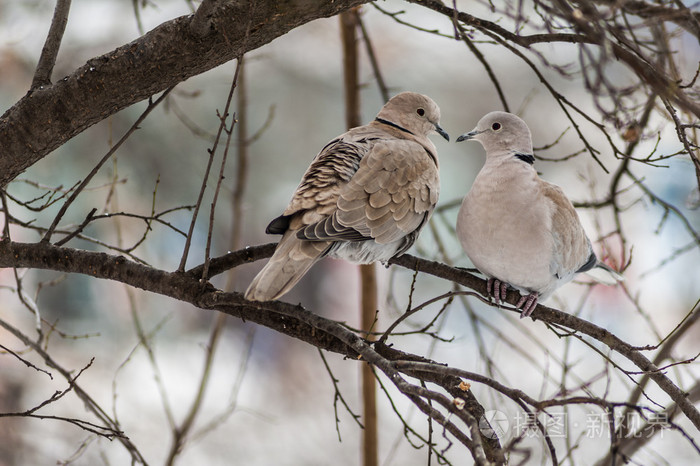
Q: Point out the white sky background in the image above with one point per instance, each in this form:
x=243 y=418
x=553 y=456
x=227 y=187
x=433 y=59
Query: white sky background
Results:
x=285 y=413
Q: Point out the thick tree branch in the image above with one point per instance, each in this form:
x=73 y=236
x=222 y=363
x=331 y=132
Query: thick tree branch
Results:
x=184 y=287
x=47 y=117
x=203 y=20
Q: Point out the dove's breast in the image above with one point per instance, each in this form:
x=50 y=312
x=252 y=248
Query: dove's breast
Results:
x=505 y=233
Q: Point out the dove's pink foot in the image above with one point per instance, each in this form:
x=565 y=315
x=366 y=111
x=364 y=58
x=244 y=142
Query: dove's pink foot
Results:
x=497 y=289
x=527 y=304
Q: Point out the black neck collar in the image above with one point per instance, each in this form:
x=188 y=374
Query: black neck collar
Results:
x=394 y=125
x=527 y=158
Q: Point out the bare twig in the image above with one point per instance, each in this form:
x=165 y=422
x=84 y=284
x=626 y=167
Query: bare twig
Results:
x=47 y=60
x=229 y=132
x=338 y=396
x=90 y=404
x=383 y=89
x=151 y=105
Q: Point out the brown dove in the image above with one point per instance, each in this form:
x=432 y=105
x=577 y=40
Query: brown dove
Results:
x=516 y=228
x=364 y=198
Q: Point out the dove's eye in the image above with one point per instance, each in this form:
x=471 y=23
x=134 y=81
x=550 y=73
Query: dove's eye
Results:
x=420 y=112
x=496 y=126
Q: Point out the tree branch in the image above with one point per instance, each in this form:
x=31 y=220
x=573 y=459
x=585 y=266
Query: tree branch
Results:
x=47 y=117
x=293 y=320
x=585 y=34
x=556 y=317
x=47 y=60
x=203 y=20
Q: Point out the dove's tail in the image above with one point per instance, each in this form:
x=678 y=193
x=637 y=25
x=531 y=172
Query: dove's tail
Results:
x=604 y=274
x=291 y=260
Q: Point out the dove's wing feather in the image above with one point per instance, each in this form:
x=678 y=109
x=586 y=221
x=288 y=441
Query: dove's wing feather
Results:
x=572 y=249
x=392 y=166
x=332 y=168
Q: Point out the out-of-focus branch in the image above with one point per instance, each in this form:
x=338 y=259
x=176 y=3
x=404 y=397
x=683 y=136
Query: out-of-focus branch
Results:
x=242 y=157
x=383 y=89
x=682 y=16
x=349 y=25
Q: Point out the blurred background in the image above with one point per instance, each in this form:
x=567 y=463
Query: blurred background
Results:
x=275 y=392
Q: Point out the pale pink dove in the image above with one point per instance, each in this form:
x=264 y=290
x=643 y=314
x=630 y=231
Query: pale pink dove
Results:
x=516 y=228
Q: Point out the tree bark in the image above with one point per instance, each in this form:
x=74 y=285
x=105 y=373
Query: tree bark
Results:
x=46 y=117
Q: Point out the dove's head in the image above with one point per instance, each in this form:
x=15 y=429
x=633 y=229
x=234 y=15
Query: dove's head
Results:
x=413 y=112
x=501 y=133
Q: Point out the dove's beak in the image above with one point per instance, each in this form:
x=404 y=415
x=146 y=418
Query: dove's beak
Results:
x=468 y=136
x=442 y=132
